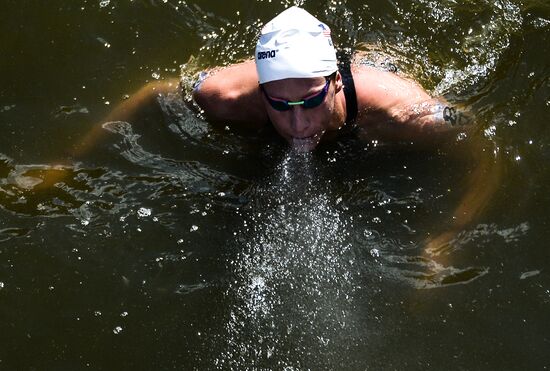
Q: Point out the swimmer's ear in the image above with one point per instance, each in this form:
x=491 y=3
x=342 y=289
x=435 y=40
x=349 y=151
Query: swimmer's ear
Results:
x=338 y=83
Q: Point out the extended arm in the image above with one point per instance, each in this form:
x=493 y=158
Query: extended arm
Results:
x=397 y=109
x=127 y=110
x=481 y=183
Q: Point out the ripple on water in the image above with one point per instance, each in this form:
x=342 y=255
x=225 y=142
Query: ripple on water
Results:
x=8 y=234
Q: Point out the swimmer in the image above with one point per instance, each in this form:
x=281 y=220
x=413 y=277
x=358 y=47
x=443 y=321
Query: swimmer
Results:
x=296 y=84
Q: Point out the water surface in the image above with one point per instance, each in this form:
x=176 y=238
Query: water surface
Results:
x=175 y=245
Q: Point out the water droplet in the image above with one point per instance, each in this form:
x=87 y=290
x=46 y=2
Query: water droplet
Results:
x=529 y=274
x=144 y=212
x=490 y=131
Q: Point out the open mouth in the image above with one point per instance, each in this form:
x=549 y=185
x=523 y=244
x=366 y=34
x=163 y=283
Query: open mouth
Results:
x=305 y=144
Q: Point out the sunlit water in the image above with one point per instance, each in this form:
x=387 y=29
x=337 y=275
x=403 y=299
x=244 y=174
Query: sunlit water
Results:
x=292 y=279
x=174 y=245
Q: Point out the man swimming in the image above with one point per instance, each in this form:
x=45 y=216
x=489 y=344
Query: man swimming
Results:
x=295 y=84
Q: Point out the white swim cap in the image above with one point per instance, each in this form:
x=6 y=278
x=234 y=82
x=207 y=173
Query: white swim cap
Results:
x=294 y=44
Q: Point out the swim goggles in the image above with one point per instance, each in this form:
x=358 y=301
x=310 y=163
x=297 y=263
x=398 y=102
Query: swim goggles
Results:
x=311 y=102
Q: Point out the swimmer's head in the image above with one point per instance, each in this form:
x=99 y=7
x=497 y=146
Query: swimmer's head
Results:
x=294 y=44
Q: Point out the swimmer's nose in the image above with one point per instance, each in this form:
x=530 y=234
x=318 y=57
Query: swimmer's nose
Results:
x=298 y=121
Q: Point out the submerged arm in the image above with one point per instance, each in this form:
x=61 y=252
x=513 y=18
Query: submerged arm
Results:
x=481 y=184
x=127 y=110
x=396 y=109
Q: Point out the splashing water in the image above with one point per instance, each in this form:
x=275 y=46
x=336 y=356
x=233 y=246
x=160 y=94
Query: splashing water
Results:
x=292 y=283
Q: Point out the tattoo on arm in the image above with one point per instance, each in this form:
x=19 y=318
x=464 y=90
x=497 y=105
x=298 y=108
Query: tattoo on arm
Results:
x=449 y=115
x=453 y=117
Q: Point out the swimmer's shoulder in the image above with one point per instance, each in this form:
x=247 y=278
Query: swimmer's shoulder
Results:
x=231 y=95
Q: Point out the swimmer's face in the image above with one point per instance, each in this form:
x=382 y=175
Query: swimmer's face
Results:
x=303 y=127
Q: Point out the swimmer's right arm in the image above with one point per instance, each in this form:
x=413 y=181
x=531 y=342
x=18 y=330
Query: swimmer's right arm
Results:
x=232 y=96
x=126 y=111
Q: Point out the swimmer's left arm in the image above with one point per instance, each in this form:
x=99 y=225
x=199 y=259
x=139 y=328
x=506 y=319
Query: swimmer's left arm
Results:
x=452 y=128
x=398 y=109
x=432 y=115
x=482 y=182
x=430 y=123
x=394 y=108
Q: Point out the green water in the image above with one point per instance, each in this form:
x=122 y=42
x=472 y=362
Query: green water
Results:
x=172 y=245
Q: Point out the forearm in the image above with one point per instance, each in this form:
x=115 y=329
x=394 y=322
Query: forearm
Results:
x=430 y=123
x=432 y=115
x=126 y=111
x=436 y=123
x=482 y=181
x=480 y=185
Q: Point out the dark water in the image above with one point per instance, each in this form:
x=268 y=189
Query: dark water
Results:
x=172 y=245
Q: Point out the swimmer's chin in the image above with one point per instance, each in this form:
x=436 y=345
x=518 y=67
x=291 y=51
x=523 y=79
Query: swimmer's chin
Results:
x=306 y=144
